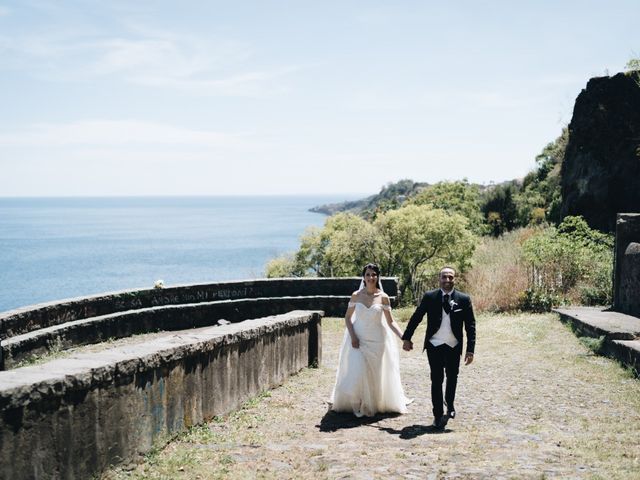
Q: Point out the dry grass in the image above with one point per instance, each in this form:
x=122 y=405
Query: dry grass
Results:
x=56 y=350
x=498 y=276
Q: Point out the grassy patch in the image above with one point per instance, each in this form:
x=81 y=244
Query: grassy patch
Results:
x=596 y=345
x=55 y=349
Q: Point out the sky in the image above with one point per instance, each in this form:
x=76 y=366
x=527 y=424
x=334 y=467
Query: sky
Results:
x=291 y=97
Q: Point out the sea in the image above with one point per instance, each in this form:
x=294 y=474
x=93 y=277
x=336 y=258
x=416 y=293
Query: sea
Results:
x=59 y=248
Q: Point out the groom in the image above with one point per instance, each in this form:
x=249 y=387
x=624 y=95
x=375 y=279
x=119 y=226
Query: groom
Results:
x=447 y=310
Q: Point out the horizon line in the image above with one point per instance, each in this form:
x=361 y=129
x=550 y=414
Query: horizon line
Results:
x=188 y=195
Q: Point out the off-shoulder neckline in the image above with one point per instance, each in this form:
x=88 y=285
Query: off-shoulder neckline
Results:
x=372 y=305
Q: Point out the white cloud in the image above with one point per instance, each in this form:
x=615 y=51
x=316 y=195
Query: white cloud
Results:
x=147 y=57
x=115 y=133
x=251 y=84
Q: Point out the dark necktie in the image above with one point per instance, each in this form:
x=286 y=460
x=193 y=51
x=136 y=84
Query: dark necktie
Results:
x=445 y=303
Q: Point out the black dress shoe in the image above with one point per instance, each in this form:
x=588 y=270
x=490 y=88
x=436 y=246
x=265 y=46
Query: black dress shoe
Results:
x=440 y=422
x=443 y=421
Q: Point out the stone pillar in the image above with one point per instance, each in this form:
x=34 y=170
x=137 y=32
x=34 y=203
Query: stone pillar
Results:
x=626 y=281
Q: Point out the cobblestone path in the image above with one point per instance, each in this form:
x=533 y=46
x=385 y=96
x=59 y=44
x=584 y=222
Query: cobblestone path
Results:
x=535 y=403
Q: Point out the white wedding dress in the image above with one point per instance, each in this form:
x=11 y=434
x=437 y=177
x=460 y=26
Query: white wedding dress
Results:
x=368 y=377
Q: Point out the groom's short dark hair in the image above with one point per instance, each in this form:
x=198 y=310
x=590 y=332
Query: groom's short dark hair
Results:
x=447 y=268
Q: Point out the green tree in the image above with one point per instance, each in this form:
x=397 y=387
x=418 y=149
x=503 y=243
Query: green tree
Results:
x=391 y=197
x=633 y=64
x=454 y=197
x=411 y=243
x=499 y=208
x=340 y=248
x=541 y=187
x=417 y=240
x=284 y=266
x=633 y=68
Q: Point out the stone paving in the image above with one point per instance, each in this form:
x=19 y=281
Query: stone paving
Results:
x=535 y=403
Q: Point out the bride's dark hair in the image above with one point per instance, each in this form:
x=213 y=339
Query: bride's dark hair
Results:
x=375 y=268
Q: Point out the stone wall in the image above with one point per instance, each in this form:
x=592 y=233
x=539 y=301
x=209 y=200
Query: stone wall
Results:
x=626 y=290
x=154 y=319
x=72 y=418
x=23 y=320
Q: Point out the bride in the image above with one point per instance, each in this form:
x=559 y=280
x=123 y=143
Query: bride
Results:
x=368 y=377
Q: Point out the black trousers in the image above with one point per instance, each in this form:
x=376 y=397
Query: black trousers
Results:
x=443 y=359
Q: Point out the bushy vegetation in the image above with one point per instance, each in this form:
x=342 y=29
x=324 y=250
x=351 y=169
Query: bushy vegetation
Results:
x=508 y=242
x=568 y=263
x=535 y=201
x=411 y=242
x=537 y=268
x=633 y=68
x=633 y=64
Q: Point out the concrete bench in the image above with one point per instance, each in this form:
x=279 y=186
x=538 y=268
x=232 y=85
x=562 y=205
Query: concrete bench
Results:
x=621 y=332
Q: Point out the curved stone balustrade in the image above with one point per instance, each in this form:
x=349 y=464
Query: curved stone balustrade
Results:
x=71 y=418
x=154 y=319
x=61 y=325
x=23 y=320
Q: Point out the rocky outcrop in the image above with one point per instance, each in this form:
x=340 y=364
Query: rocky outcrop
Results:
x=601 y=168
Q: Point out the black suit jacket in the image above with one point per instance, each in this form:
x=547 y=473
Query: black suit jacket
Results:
x=461 y=313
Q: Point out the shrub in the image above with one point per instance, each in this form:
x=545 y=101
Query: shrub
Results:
x=539 y=301
x=570 y=263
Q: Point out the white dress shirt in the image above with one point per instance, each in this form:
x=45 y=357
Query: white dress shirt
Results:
x=444 y=333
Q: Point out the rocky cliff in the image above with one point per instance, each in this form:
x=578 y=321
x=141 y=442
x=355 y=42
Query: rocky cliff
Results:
x=601 y=168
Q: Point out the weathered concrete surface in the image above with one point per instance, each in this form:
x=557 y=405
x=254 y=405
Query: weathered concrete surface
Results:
x=72 y=418
x=596 y=322
x=154 y=319
x=626 y=290
x=621 y=332
x=22 y=320
x=627 y=351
